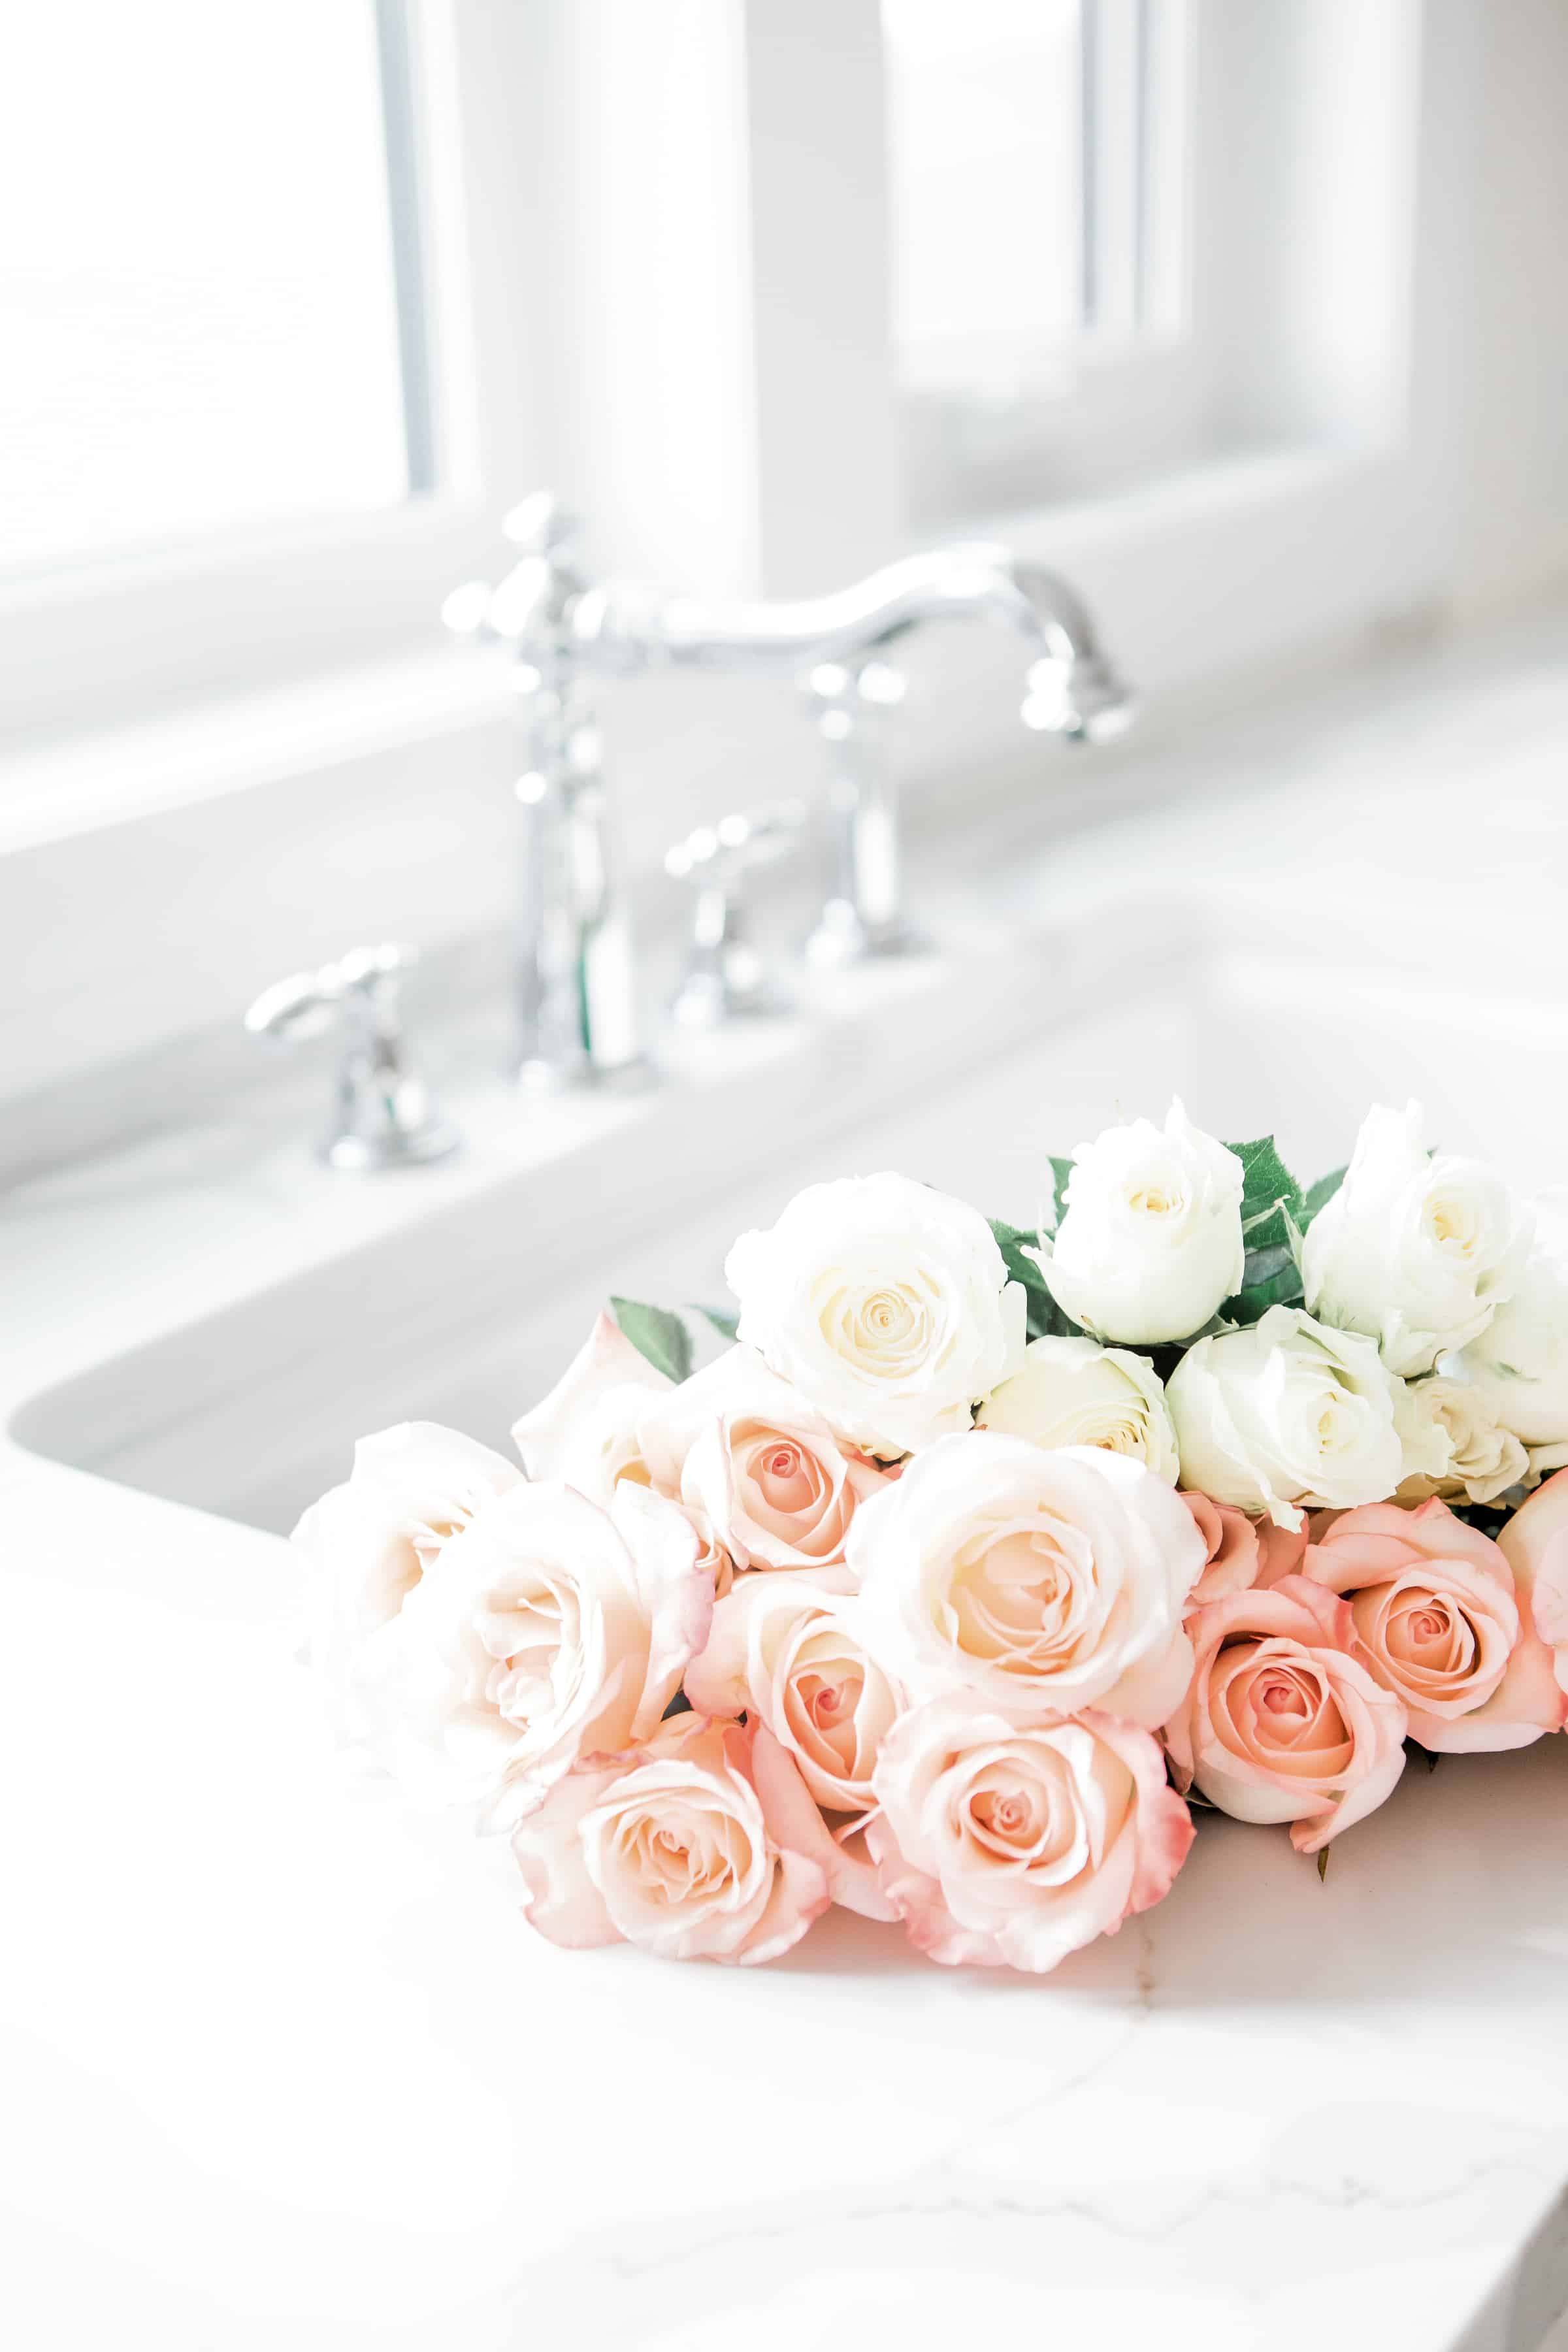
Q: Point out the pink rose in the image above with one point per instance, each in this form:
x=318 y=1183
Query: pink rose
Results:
x=1011 y=1844
x=671 y=1847
x=1437 y=1620
x=787 y=1649
x=1282 y=1723
x=1535 y=1543
x=753 y=1463
x=547 y=1630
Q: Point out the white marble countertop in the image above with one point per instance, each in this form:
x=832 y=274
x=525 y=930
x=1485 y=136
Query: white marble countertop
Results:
x=282 y=2065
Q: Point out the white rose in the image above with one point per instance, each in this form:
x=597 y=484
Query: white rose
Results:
x=1416 y=1252
x=1076 y=1392
x=368 y=1543
x=1453 y=1447
x=549 y=1630
x=1286 y=1414
x=1151 y=1242
x=1041 y=1581
x=1519 y=1363
x=885 y=1304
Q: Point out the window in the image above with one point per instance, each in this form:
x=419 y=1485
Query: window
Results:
x=987 y=168
x=1039 y=223
x=208 y=330
x=647 y=258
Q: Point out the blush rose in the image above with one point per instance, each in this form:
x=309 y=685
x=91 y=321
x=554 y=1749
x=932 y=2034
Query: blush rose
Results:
x=755 y=1466
x=673 y=1847
x=1010 y=1844
x=1535 y=1543
x=550 y=1630
x=1052 y=1580
x=368 y=1544
x=1280 y=1722
x=1433 y=1604
x=788 y=1650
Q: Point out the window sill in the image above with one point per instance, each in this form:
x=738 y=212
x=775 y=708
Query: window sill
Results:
x=84 y=779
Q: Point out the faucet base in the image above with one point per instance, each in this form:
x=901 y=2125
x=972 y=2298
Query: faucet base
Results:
x=842 y=937
x=368 y=1153
x=535 y=1076
x=712 y=1000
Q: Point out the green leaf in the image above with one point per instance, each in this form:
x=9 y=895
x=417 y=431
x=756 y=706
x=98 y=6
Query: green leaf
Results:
x=1045 y=1319
x=1268 y=1191
x=1270 y=1277
x=1319 y=1195
x=656 y=1334
x=1061 y=1170
x=1322 y=1861
x=725 y=1323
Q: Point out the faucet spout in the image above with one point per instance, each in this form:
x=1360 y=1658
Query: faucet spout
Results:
x=1072 y=689
x=577 y=1016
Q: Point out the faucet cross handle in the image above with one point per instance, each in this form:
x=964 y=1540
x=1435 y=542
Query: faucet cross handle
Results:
x=726 y=979
x=381 y=1116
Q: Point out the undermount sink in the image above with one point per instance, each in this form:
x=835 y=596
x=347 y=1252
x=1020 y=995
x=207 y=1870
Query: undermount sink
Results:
x=459 y=1295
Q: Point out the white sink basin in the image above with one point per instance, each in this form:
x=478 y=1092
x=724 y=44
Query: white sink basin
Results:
x=1257 y=2131
x=458 y=1295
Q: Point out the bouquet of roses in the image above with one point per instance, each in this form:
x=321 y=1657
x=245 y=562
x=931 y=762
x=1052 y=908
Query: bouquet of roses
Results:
x=981 y=1552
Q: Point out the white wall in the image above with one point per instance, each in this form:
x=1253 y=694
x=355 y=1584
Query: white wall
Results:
x=1514 y=513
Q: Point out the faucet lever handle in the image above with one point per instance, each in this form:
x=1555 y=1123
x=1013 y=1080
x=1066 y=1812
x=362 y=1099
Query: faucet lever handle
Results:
x=716 y=855
x=725 y=978
x=381 y=1116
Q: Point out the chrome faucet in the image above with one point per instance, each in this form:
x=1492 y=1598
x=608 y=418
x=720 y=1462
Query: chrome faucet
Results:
x=575 y=978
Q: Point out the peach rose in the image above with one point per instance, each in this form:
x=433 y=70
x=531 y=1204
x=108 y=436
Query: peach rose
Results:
x=787 y=1650
x=1039 y=1579
x=1011 y=1844
x=368 y=1543
x=1534 y=1542
x=752 y=1463
x=1282 y=1723
x=550 y=1629
x=672 y=1847
x=1437 y=1620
